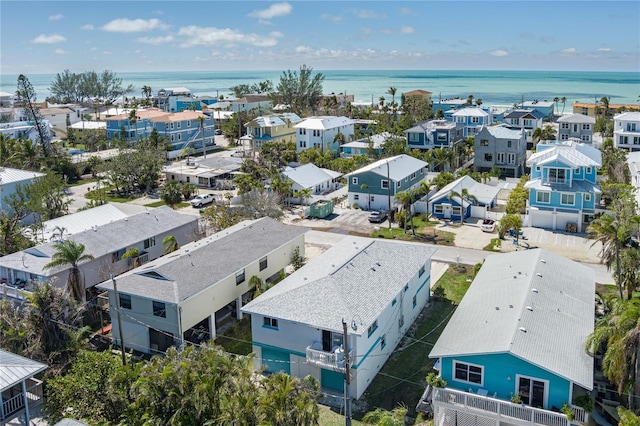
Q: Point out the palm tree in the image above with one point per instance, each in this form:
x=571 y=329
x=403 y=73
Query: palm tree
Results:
x=133 y=253
x=564 y=101
x=70 y=253
x=555 y=101
x=629 y=270
x=286 y=400
x=510 y=221
x=304 y=194
x=146 y=92
x=257 y=285
x=58 y=233
x=405 y=198
x=463 y=195
x=611 y=232
x=619 y=330
x=392 y=91
x=363 y=187
x=605 y=102
x=170 y=244
x=425 y=189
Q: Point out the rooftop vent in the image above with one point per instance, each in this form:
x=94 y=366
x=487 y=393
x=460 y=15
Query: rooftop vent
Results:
x=497 y=308
x=534 y=290
x=539 y=275
x=543 y=261
x=529 y=308
x=524 y=330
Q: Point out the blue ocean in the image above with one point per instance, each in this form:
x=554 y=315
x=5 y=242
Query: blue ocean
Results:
x=493 y=87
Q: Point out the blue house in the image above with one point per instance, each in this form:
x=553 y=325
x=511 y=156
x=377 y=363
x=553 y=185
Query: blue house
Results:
x=435 y=134
x=563 y=193
x=370 y=146
x=472 y=118
x=374 y=187
x=518 y=332
x=463 y=196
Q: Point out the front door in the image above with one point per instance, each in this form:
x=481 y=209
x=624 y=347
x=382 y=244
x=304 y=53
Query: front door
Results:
x=532 y=391
x=446 y=211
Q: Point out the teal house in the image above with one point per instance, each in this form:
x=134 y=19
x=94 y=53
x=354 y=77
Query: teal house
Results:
x=374 y=187
x=513 y=351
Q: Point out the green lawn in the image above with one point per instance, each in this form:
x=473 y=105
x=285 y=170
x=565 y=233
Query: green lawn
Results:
x=331 y=418
x=495 y=242
x=103 y=193
x=237 y=338
x=427 y=234
x=162 y=203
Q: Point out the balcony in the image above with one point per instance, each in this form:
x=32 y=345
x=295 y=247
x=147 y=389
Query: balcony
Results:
x=448 y=402
x=14 y=405
x=333 y=360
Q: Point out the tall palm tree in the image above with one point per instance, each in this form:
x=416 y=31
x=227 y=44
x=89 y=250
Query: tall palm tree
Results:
x=619 y=330
x=605 y=103
x=58 y=233
x=70 y=253
x=405 y=198
x=365 y=186
x=392 y=91
x=304 y=194
x=170 y=244
x=425 y=189
x=555 y=101
x=463 y=195
x=564 y=101
x=510 y=221
x=630 y=270
x=612 y=233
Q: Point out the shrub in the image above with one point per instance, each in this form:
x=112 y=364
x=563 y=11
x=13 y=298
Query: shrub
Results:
x=585 y=402
x=567 y=411
x=436 y=381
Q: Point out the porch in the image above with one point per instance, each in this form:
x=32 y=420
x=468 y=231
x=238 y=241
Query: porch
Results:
x=333 y=360
x=453 y=407
x=20 y=392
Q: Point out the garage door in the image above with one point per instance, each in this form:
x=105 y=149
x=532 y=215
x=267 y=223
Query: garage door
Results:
x=563 y=219
x=275 y=360
x=541 y=219
x=332 y=380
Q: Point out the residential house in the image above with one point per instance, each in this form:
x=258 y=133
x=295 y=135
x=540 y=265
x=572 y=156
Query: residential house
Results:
x=185 y=130
x=465 y=197
x=106 y=243
x=633 y=162
x=525 y=119
x=197 y=103
x=576 y=127
x=373 y=187
x=520 y=330
x=449 y=105
x=371 y=146
x=320 y=132
x=563 y=189
x=20 y=391
x=626 y=131
x=373 y=288
x=595 y=111
x=25 y=130
x=7 y=99
x=190 y=294
x=125 y=127
x=435 y=134
x=10 y=179
x=309 y=176
x=546 y=108
x=501 y=147
x=335 y=101
x=424 y=94
x=472 y=119
x=87 y=129
x=256 y=102
x=272 y=128
x=168 y=98
x=212 y=172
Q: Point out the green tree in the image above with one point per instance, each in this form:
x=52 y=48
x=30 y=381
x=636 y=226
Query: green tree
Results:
x=465 y=197
x=547 y=133
x=405 y=198
x=382 y=417
x=510 y=221
x=297 y=259
x=70 y=253
x=555 y=101
x=171 y=193
x=170 y=244
x=134 y=254
x=27 y=96
x=627 y=417
x=304 y=194
x=301 y=91
x=286 y=401
x=188 y=190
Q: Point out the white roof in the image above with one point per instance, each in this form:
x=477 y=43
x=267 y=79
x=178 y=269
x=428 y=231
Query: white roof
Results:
x=570 y=153
x=471 y=112
x=324 y=123
x=9 y=175
x=355 y=279
x=15 y=368
x=484 y=193
x=400 y=167
x=628 y=116
x=90 y=125
x=576 y=118
x=533 y=304
x=310 y=175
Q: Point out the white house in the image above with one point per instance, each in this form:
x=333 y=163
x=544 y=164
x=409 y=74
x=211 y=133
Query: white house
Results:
x=10 y=179
x=309 y=176
x=626 y=131
x=25 y=129
x=106 y=243
x=320 y=132
x=377 y=288
x=576 y=127
x=190 y=294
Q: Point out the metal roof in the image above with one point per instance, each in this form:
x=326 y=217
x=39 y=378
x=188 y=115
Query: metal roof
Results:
x=9 y=175
x=484 y=193
x=571 y=153
x=324 y=123
x=355 y=279
x=15 y=368
x=533 y=304
x=400 y=167
x=471 y=112
x=310 y=175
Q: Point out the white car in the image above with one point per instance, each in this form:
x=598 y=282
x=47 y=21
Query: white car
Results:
x=202 y=199
x=488 y=225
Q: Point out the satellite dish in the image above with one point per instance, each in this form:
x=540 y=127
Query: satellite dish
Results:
x=354 y=325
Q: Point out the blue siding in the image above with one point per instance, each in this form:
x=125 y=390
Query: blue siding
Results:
x=500 y=372
x=331 y=379
x=275 y=360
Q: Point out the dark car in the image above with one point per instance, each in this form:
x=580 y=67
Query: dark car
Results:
x=218 y=132
x=377 y=217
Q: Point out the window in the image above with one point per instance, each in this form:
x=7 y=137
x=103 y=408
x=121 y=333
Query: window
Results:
x=239 y=277
x=484 y=142
x=383 y=341
x=263 y=263
x=457 y=210
x=415 y=300
x=270 y=322
x=149 y=242
x=500 y=158
x=179 y=124
x=586 y=127
x=188 y=123
x=125 y=301
x=399 y=184
x=488 y=157
x=542 y=197
x=511 y=158
x=567 y=199
x=564 y=126
x=413 y=175
x=303 y=131
x=532 y=391
x=438 y=208
x=468 y=373
x=588 y=170
x=116 y=256
x=354 y=180
x=421 y=271
x=414 y=137
x=356 y=197
x=373 y=198
x=586 y=138
x=384 y=184
x=373 y=327
x=159 y=309
x=441 y=137
x=475 y=120
x=564 y=137
x=508 y=144
x=587 y=197
x=316 y=133
x=557 y=175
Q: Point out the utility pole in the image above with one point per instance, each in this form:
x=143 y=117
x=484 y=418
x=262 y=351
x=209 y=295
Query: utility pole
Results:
x=389 y=196
x=117 y=298
x=347 y=376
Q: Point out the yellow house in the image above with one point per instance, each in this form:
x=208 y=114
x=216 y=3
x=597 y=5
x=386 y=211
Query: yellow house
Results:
x=272 y=128
x=590 y=108
x=420 y=94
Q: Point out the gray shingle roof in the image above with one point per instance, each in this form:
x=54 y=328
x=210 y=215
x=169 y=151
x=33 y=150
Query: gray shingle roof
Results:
x=15 y=368
x=203 y=263
x=355 y=279
x=309 y=175
x=576 y=118
x=533 y=304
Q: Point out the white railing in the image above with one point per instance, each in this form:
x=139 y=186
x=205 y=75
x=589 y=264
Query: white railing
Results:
x=500 y=410
x=16 y=403
x=335 y=361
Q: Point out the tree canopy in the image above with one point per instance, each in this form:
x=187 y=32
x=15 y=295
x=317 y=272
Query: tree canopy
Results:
x=86 y=86
x=301 y=91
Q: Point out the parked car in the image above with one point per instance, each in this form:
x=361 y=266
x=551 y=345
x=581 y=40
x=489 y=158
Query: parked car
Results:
x=488 y=225
x=202 y=199
x=377 y=217
x=218 y=132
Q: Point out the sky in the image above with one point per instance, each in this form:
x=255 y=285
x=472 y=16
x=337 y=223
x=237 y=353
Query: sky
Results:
x=128 y=36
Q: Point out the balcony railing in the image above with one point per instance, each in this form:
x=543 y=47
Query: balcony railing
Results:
x=333 y=360
x=502 y=411
x=15 y=404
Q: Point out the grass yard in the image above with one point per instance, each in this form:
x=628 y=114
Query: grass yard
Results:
x=495 y=242
x=237 y=338
x=162 y=203
x=331 y=418
x=425 y=232
x=103 y=193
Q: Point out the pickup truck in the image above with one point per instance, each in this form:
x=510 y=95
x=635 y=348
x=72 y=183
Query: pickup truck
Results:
x=202 y=199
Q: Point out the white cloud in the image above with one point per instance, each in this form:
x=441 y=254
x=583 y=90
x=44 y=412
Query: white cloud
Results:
x=106 y=52
x=87 y=27
x=59 y=52
x=57 y=17
x=568 y=51
x=332 y=18
x=125 y=25
x=155 y=40
x=499 y=52
x=49 y=39
x=273 y=11
x=203 y=36
x=603 y=49
x=367 y=14
x=405 y=29
x=93 y=49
